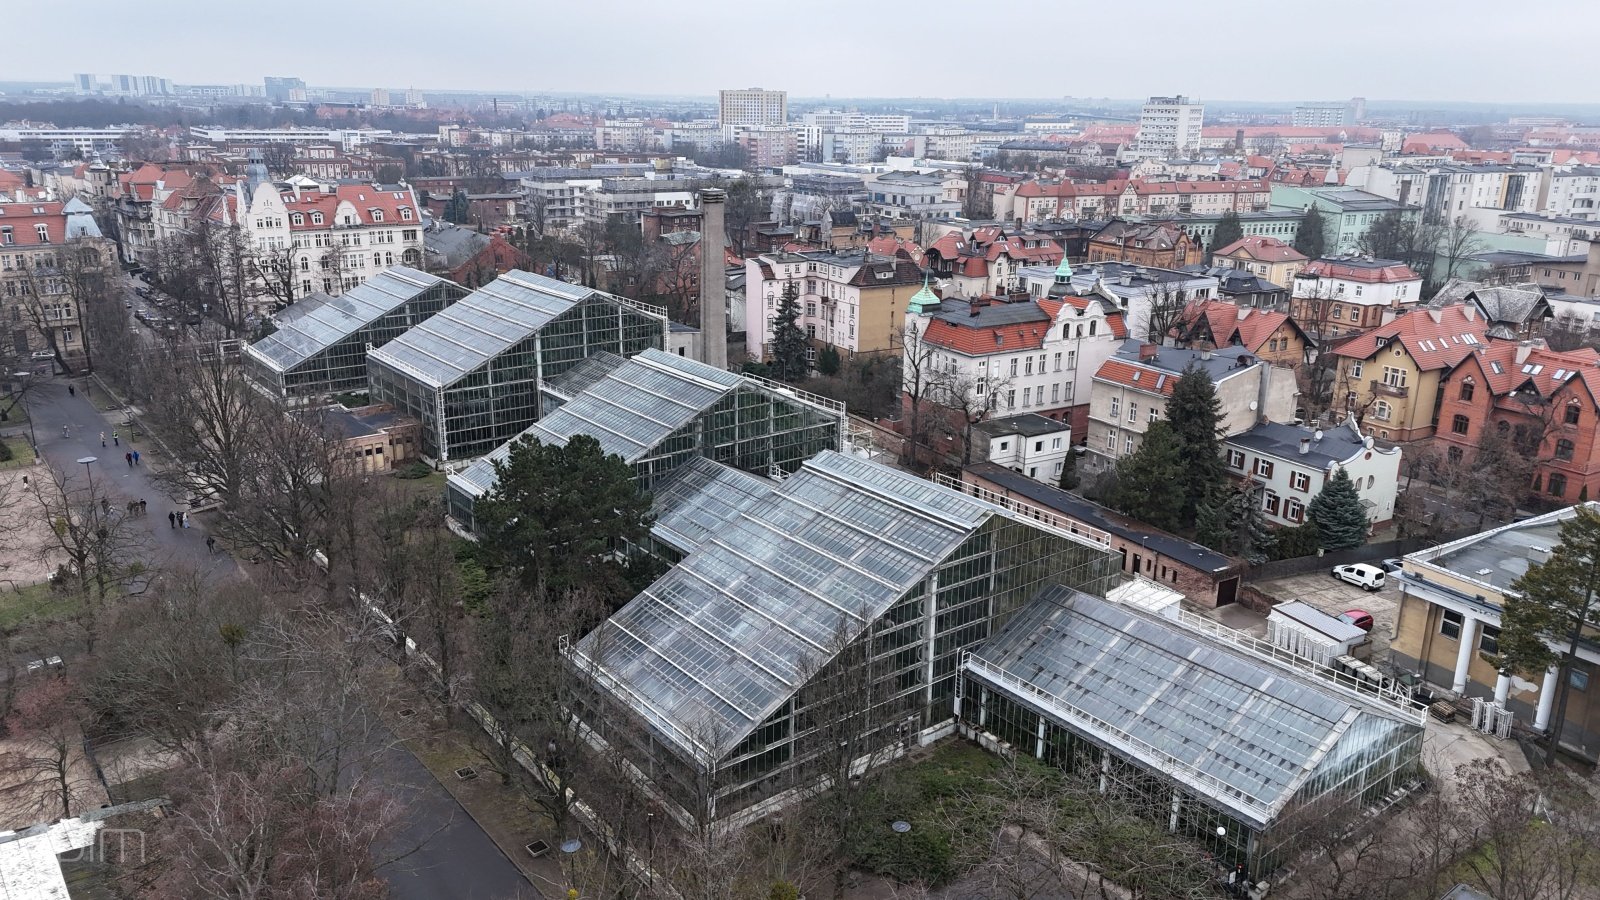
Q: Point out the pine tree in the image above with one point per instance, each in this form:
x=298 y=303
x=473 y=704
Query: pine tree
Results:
x=1229 y=229
x=1339 y=516
x=1146 y=477
x=1252 y=538
x=1069 y=471
x=828 y=362
x=1311 y=238
x=1211 y=526
x=1195 y=414
x=789 y=343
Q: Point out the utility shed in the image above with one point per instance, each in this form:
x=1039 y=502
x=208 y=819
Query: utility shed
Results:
x=1307 y=631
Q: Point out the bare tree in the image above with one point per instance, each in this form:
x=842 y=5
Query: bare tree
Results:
x=920 y=385
x=49 y=776
x=1458 y=241
x=1158 y=311
x=971 y=400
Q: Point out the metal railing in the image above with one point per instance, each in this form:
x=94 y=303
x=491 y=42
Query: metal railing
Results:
x=827 y=403
x=1101 y=540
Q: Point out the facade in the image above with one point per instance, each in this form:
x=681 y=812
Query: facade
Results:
x=1572 y=193
x=914 y=195
x=320 y=344
x=1446 y=191
x=1132 y=289
x=766 y=147
x=1188 y=203
x=1244 y=289
x=1322 y=115
x=1347 y=213
x=1035 y=445
x=42 y=317
x=371 y=439
x=95 y=85
x=855 y=301
x=61 y=140
x=1271 y=258
x=1162 y=246
x=1268 y=334
x=472 y=373
x=1389 y=376
x=1292 y=463
x=659 y=411
x=1168 y=126
x=1546 y=403
x=752 y=107
x=726 y=678
x=1131 y=390
x=988 y=260
x=1451 y=600
x=1350 y=294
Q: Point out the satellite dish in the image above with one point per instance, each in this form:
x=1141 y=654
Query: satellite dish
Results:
x=1316 y=435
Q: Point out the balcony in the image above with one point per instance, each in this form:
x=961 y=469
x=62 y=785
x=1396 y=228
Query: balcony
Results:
x=1389 y=390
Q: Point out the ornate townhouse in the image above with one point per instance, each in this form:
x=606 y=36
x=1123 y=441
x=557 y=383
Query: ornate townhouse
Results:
x=854 y=301
x=1338 y=297
x=1389 y=376
x=989 y=260
x=40 y=313
x=1271 y=335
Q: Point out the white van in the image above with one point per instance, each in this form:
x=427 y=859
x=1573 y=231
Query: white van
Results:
x=1361 y=575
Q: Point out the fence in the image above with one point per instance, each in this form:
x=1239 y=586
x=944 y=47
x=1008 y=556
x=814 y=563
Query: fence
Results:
x=1299 y=565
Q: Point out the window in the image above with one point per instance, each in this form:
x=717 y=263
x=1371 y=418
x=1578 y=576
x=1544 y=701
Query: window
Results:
x=1027 y=396
x=1235 y=459
x=1091 y=328
x=1013 y=367
x=316 y=218
x=1111 y=440
x=1270 y=503
x=1133 y=412
x=1466 y=389
x=1038 y=446
x=1055 y=443
x=43 y=231
x=1300 y=481
x=1564 y=449
x=1381 y=410
x=1263 y=468
x=1578 y=680
x=1011 y=398
x=1055 y=393
x=1557 y=485
x=1459 y=424
x=1005 y=445
x=1489 y=639
x=1116 y=407
x=1030 y=366
x=1058 y=362
x=1072 y=360
x=1294 y=510
x=1355 y=370
x=1394 y=377
x=1154 y=413
x=1450 y=624
x=1453 y=454
x=1572 y=414
x=1127 y=444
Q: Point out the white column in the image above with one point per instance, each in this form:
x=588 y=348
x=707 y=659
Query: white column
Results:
x=1469 y=641
x=1038 y=752
x=1547 y=699
x=1502 y=688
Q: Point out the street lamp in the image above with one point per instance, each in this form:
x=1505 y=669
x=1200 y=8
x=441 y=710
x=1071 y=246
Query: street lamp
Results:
x=569 y=850
x=900 y=826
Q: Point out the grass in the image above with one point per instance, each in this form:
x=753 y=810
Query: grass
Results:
x=21 y=452
x=35 y=604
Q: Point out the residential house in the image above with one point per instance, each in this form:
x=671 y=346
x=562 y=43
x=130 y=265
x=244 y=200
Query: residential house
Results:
x=1337 y=297
x=1292 y=463
x=1546 y=403
x=1131 y=389
x=1515 y=312
x=988 y=260
x=1244 y=288
x=1571 y=274
x=1034 y=445
x=1160 y=245
x=1273 y=259
x=1452 y=598
x=469 y=257
x=43 y=317
x=855 y=301
x=1389 y=376
x=1271 y=335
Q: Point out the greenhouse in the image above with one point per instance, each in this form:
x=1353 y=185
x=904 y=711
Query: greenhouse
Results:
x=849 y=573
x=320 y=345
x=1199 y=734
x=473 y=374
x=695 y=502
x=659 y=410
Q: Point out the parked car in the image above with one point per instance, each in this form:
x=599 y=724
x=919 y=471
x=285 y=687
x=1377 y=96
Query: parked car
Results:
x=1362 y=575
x=1391 y=566
x=1360 y=618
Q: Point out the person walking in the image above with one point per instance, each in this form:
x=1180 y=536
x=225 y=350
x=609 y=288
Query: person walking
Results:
x=102 y=438
x=172 y=520
x=66 y=432
x=143 y=507
x=184 y=517
x=116 y=439
x=72 y=391
x=136 y=457
x=129 y=458
x=211 y=544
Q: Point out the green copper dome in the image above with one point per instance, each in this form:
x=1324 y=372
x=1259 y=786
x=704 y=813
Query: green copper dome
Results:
x=922 y=300
x=1063 y=271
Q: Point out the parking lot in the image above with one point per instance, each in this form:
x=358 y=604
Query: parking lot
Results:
x=1332 y=596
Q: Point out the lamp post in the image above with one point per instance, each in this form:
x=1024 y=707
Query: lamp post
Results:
x=569 y=851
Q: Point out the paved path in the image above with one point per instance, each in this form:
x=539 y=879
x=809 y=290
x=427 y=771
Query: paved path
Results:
x=456 y=860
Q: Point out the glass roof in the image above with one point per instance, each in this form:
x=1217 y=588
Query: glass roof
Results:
x=717 y=644
x=701 y=497
x=480 y=326
x=318 y=322
x=633 y=408
x=577 y=379
x=1227 y=726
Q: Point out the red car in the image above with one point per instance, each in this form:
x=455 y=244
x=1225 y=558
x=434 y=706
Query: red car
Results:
x=1360 y=618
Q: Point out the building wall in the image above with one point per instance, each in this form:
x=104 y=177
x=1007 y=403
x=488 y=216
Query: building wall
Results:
x=1376 y=474
x=1410 y=409
x=1580 y=473
x=1040 y=457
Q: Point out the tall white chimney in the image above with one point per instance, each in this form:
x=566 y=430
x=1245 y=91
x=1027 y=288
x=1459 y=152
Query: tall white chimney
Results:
x=713 y=286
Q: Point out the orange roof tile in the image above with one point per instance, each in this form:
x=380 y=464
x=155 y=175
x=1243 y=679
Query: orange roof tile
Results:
x=986 y=340
x=1435 y=338
x=1127 y=374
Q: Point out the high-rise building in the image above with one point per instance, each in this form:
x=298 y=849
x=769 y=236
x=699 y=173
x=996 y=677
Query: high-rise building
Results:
x=380 y=96
x=284 y=89
x=122 y=85
x=1169 y=126
x=753 y=107
x=1322 y=115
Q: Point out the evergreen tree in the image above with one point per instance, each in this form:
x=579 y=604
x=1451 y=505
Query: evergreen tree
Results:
x=1552 y=603
x=828 y=362
x=789 y=343
x=1252 y=538
x=1195 y=414
x=1338 y=514
x=458 y=210
x=1311 y=238
x=1211 y=526
x=1146 y=477
x=1069 y=471
x=1230 y=229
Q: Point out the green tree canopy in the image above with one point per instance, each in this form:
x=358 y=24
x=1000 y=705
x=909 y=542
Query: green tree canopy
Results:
x=1311 y=238
x=556 y=514
x=1145 y=479
x=1337 y=512
x=1195 y=414
x=1550 y=605
x=1232 y=521
x=828 y=362
x=789 y=344
x=1230 y=229
x=1069 y=471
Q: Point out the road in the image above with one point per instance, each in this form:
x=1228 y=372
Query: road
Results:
x=453 y=858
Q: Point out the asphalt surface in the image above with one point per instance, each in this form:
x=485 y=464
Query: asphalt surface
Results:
x=447 y=856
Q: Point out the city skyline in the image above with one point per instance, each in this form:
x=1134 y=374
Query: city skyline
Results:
x=1178 y=49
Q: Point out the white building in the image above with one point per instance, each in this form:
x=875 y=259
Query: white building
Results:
x=852 y=301
x=121 y=85
x=1321 y=115
x=348 y=138
x=1030 y=443
x=1446 y=191
x=753 y=108
x=59 y=139
x=1293 y=463
x=1127 y=287
x=1573 y=193
x=1169 y=126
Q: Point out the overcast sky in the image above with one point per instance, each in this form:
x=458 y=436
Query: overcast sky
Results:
x=1474 y=50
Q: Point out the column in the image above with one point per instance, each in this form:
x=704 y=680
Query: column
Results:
x=1502 y=688
x=1038 y=751
x=1469 y=643
x=1547 y=699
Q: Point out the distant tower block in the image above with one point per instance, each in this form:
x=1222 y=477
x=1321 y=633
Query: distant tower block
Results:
x=713 y=284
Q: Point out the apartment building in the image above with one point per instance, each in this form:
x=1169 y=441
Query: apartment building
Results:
x=1035 y=201
x=1271 y=335
x=752 y=107
x=1168 y=126
x=1572 y=193
x=1341 y=296
x=42 y=316
x=1347 y=212
x=1160 y=245
x=854 y=301
x=1389 y=376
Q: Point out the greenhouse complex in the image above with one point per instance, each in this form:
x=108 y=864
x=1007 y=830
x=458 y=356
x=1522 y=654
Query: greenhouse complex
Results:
x=1225 y=746
x=472 y=374
x=321 y=343
x=710 y=679
x=659 y=410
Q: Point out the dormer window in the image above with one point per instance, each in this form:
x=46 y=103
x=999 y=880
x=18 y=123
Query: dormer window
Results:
x=405 y=213
x=316 y=218
x=299 y=219
x=44 y=232
x=377 y=215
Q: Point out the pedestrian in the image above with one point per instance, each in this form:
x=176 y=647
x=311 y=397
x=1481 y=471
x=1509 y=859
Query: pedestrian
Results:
x=116 y=439
x=102 y=438
x=143 y=507
x=136 y=457
x=65 y=432
x=72 y=391
x=129 y=458
x=184 y=516
x=105 y=506
x=172 y=520
x=211 y=544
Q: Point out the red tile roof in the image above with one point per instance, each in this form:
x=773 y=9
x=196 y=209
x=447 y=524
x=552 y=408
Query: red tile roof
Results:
x=1262 y=249
x=24 y=217
x=1394 y=273
x=1225 y=321
x=1127 y=374
x=1435 y=338
x=366 y=200
x=1502 y=374
x=985 y=340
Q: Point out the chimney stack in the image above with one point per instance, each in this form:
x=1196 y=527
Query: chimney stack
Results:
x=1148 y=352
x=1305 y=446
x=713 y=287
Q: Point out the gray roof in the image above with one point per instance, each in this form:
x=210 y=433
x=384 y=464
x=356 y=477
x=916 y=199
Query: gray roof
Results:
x=453 y=244
x=958 y=312
x=481 y=326
x=1224 y=361
x=583 y=375
x=1503 y=555
x=1234 y=281
x=1338 y=444
x=1027 y=424
x=1243 y=732
x=319 y=321
x=701 y=497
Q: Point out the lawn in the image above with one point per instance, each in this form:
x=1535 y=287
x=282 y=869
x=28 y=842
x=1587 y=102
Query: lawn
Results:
x=21 y=452
x=35 y=604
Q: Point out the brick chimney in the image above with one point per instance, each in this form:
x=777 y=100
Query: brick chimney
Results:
x=713 y=286
x=1148 y=352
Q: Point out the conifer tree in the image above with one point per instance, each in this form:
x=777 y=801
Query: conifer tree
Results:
x=1069 y=471
x=1338 y=514
x=1229 y=229
x=1145 y=479
x=788 y=341
x=1311 y=238
x=1195 y=414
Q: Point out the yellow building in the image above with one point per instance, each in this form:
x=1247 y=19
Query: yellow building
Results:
x=1268 y=257
x=1449 y=623
x=1389 y=376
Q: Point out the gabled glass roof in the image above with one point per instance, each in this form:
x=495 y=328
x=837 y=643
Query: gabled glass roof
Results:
x=636 y=406
x=1224 y=725
x=701 y=497
x=577 y=379
x=318 y=322
x=480 y=326
x=717 y=644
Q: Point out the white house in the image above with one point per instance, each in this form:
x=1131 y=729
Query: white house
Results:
x=1030 y=443
x=1292 y=463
